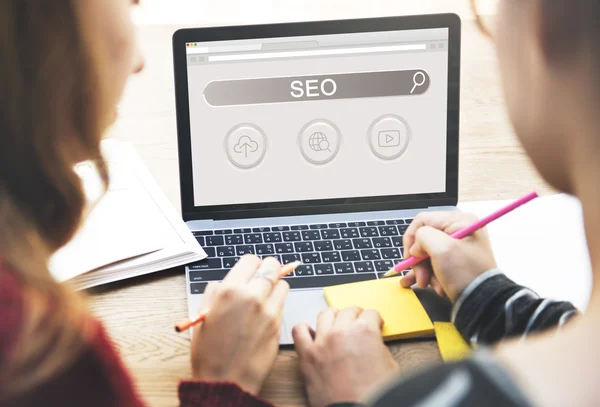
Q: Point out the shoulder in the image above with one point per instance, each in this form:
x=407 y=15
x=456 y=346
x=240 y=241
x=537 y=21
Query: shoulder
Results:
x=11 y=308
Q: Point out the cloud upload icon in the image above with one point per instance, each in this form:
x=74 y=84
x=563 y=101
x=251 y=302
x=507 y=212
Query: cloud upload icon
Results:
x=245 y=145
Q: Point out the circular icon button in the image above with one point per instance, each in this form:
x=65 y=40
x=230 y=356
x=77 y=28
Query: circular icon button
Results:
x=245 y=145
x=319 y=141
x=389 y=136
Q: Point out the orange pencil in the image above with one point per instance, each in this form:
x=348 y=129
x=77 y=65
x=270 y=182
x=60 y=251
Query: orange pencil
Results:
x=190 y=322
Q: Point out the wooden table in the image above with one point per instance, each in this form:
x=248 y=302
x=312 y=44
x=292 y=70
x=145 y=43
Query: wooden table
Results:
x=139 y=313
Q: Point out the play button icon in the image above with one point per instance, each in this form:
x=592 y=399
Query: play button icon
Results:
x=389 y=137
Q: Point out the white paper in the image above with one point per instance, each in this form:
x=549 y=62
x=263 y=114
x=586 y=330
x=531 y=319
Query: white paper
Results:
x=542 y=245
x=117 y=228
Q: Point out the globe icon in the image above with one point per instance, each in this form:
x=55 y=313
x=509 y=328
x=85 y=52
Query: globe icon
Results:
x=318 y=142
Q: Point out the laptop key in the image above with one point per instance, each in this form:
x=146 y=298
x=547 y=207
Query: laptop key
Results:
x=349 y=233
x=323 y=269
x=300 y=227
x=408 y=221
x=264 y=249
x=382 y=242
x=234 y=239
x=244 y=249
x=303 y=247
x=272 y=237
x=337 y=225
x=209 y=275
x=311 y=235
x=311 y=258
x=376 y=223
x=261 y=230
x=370 y=254
x=356 y=224
x=383 y=265
x=304 y=270
x=343 y=268
x=223 y=232
x=229 y=262
x=203 y=232
x=215 y=241
x=394 y=222
x=289 y=258
x=323 y=245
x=344 y=244
x=206 y=264
x=402 y=228
x=369 y=232
x=284 y=248
x=330 y=234
x=210 y=251
x=318 y=226
x=388 y=231
x=350 y=255
x=244 y=230
x=326 y=281
x=200 y=240
x=390 y=254
x=280 y=228
x=291 y=236
x=397 y=241
x=198 y=288
x=253 y=238
x=364 y=267
x=331 y=257
x=362 y=243
x=223 y=251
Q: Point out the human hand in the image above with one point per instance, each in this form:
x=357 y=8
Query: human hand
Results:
x=239 y=339
x=453 y=263
x=345 y=358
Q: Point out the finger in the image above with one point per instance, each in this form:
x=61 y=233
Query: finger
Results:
x=325 y=320
x=274 y=304
x=409 y=279
x=302 y=338
x=431 y=242
x=446 y=221
x=422 y=275
x=346 y=317
x=243 y=271
x=437 y=286
x=372 y=318
x=208 y=296
x=265 y=278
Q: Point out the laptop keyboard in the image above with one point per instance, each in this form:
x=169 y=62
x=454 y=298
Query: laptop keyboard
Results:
x=334 y=253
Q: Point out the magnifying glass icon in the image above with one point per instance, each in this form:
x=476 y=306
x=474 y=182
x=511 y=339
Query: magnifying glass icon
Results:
x=418 y=80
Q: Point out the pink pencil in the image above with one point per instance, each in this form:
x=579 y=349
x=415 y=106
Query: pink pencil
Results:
x=411 y=261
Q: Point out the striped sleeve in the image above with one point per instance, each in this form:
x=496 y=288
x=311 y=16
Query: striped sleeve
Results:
x=493 y=307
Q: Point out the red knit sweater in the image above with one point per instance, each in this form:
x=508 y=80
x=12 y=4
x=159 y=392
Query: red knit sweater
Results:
x=98 y=377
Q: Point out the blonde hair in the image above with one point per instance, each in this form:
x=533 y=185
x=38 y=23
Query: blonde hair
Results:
x=50 y=101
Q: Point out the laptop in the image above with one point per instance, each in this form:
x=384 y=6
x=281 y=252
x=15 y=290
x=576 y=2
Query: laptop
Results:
x=315 y=141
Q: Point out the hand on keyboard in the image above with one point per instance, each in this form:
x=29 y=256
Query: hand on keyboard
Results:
x=239 y=339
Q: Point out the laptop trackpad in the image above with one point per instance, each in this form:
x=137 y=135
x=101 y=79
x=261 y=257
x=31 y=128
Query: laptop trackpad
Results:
x=301 y=307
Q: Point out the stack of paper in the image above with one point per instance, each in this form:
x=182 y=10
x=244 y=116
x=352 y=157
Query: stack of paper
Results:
x=133 y=230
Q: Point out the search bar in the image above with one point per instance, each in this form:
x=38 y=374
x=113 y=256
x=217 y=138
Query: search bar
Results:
x=318 y=52
x=412 y=82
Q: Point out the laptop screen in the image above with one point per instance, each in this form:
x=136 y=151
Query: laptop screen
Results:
x=318 y=117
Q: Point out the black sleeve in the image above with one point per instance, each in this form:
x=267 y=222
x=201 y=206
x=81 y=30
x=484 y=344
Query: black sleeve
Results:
x=471 y=383
x=495 y=308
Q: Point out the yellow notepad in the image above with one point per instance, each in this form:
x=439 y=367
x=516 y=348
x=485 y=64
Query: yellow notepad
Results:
x=402 y=312
x=452 y=345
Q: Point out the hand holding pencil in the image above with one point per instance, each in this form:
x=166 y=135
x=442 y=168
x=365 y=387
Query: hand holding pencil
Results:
x=239 y=338
x=448 y=250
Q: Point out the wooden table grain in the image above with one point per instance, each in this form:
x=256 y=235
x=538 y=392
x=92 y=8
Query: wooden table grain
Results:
x=140 y=313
